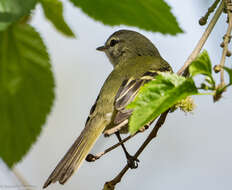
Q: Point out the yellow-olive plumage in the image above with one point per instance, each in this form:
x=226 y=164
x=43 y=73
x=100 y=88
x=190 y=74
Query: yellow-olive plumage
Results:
x=136 y=61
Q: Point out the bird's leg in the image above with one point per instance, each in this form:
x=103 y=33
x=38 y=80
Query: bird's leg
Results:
x=92 y=157
x=131 y=161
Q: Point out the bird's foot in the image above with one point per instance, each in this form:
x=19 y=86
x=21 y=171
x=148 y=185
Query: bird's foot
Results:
x=132 y=162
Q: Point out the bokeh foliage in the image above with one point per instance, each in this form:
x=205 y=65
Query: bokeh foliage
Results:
x=26 y=90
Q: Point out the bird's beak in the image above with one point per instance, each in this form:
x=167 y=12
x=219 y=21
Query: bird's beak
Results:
x=101 y=48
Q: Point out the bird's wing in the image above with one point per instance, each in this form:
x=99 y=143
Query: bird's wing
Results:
x=126 y=94
x=92 y=110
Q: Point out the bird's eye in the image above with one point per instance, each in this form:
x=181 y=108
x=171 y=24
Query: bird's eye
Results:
x=113 y=42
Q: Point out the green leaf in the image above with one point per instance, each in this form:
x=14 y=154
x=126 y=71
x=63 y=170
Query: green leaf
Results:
x=11 y=10
x=26 y=90
x=4 y=25
x=53 y=10
x=229 y=71
x=202 y=65
x=151 y=15
x=158 y=96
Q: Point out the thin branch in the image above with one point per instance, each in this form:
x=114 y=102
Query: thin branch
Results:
x=113 y=130
x=211 y=9
x=92 y=158
x=203 y=39
x=111 y=184
x=23 y=181
x=226 y=41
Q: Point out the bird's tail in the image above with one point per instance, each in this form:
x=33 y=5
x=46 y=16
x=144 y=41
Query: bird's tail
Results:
x=77 y=152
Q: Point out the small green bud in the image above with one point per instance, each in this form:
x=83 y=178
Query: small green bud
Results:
x=204 y=86
x=228 y=53
x=202 y=21
x=222 y=45
x=217 y=68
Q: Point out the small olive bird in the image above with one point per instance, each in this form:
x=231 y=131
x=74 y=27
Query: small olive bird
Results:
x=136 y=61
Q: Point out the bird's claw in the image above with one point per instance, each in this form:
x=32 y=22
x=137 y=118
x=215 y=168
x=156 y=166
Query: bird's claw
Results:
x=132 y=162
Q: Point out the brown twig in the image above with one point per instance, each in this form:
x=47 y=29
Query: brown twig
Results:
x=211 y=9
x=23 y=181
x=203 y=39
x=110 y=185
x=113 y=130
x=92 y=158
x=226 y=41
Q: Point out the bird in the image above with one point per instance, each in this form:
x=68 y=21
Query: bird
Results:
x=135 y=61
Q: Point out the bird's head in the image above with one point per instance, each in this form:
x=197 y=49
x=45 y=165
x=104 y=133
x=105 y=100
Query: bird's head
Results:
x=126 y=44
